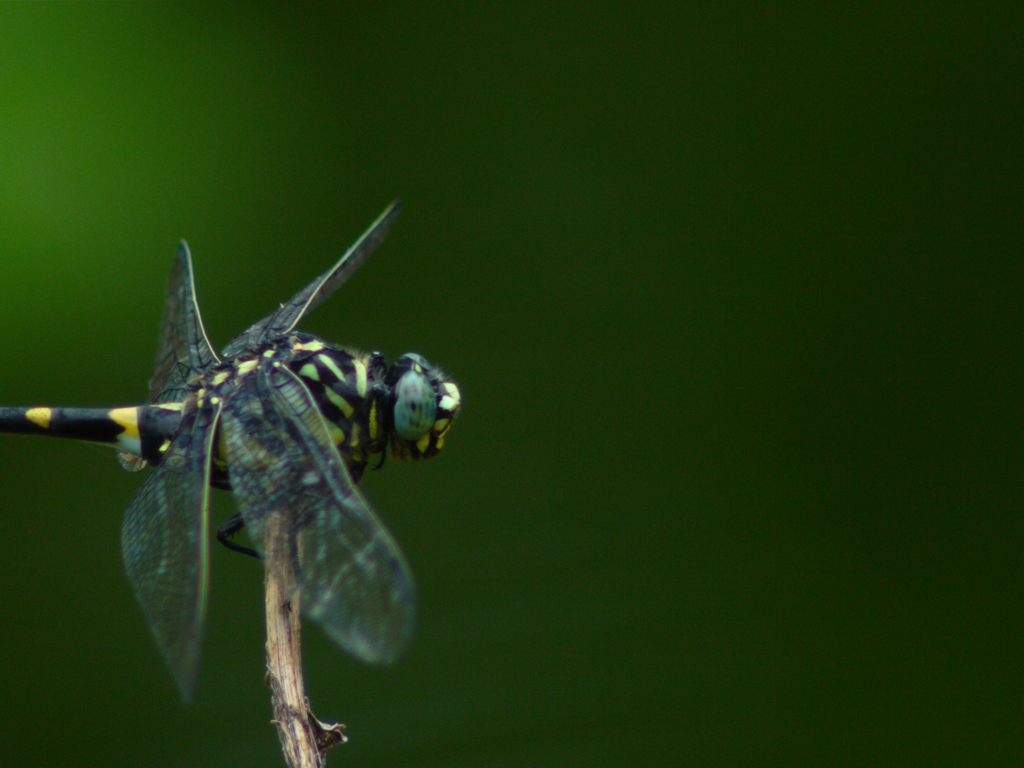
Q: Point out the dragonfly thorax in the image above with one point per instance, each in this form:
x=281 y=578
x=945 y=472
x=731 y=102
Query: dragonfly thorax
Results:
x=367 y=404
x=348 y=387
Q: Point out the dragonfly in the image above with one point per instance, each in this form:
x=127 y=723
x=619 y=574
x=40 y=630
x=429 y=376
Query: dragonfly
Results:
x=288 y=424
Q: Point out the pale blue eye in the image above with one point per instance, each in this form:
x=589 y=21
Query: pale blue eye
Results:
x=415 y=406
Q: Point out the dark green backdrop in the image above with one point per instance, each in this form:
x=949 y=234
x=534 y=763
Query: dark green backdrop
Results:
x=733 y=295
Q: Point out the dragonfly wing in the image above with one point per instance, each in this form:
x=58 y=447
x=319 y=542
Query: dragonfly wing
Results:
x=165 y=544
x=183 y=346
x=355 y=581
x=313 y=295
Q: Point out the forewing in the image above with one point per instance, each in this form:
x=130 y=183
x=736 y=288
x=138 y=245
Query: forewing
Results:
x=281 y=459
x=305 y=301
x=182 y=347
x=165 y=546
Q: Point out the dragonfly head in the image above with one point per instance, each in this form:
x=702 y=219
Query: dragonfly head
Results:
x=422 y=404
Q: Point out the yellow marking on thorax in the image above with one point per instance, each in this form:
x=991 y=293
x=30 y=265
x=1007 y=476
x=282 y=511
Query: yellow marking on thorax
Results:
x=374 y=423
x=341 y=402
x=221 y=377
x=170 y=406
x=360 y=367
x=127 y=419
x=310 y=371
x=40 y=416
x=310 y=346
x=247 y=366
x=269 y=353
x=337 y=433
x=332 y=366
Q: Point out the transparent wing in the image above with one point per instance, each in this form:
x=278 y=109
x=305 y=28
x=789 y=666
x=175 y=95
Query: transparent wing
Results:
x=281 y=460
x=305 y=301
x=165 y=546
x=182 y=347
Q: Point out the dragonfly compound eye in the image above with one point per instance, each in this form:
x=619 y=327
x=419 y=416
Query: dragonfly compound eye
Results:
x=415 y=405
x=423 y=404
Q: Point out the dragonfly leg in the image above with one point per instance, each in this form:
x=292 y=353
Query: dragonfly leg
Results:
x=229 y=528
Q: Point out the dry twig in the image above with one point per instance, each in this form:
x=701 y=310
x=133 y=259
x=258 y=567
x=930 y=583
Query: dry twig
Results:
x=304 y=739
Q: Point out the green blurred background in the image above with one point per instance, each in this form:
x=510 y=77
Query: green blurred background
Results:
x=733 y=294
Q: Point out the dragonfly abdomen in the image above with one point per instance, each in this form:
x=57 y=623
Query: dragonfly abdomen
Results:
x=141 y=430
x=115 y=426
